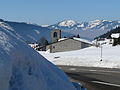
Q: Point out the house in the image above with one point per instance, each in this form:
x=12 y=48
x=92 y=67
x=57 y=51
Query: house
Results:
x=68 y=44
x=116 y=38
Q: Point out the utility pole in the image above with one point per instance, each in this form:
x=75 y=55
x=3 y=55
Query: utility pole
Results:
x=101 y=54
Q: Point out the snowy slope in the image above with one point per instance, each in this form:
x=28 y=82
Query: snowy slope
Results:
x=22 y=68
x=29 y=32
x=32 y=33
x=89 y=57
x=89 y=29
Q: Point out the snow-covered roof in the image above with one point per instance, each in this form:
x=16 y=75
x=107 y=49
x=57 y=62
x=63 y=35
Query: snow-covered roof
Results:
x=78 y=39
x=61 y=39
x=115 y=35
x=83 y=40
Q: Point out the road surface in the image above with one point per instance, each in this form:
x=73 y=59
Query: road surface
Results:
x=94 y=78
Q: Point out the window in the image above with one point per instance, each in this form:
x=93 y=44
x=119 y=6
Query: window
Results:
x=53 y=47
x=55 y=34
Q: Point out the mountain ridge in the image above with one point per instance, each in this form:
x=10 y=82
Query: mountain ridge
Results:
x=89 y=29
x=86 y=25
x=31 y=33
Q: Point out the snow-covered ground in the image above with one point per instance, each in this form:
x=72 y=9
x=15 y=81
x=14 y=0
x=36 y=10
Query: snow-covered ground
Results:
x=22 y=68
x=89 y=57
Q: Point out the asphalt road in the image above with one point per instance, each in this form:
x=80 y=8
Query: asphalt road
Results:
x=94 y=78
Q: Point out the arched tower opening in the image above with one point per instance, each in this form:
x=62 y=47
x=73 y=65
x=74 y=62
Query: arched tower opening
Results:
x=55 y=34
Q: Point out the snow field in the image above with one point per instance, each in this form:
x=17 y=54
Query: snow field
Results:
x=89 y=57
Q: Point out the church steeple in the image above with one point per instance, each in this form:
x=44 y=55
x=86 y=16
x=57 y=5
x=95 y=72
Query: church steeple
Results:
x=55 y=35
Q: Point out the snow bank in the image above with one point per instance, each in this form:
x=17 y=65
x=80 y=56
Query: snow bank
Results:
x=22 y=68
x=89 y=57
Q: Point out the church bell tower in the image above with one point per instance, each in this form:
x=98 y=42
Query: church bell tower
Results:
x=55 y=35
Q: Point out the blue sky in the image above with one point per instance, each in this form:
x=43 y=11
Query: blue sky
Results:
x=53 y=11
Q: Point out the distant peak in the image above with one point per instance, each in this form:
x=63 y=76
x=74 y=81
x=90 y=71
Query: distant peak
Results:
x=101 y=21
x=67 y=23
x=95 y=21
x=44 y=25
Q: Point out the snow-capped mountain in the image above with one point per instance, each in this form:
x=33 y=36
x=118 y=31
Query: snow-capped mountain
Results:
x=69 y=23
x=96 y=24
x=89 y=29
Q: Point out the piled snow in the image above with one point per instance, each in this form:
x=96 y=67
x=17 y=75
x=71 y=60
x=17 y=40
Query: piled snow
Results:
x=89 y=57
x=22 y=68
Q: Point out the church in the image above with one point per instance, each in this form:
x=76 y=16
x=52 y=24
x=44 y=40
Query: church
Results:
x=59 y=44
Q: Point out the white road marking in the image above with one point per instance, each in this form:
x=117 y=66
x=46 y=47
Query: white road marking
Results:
x=110 y=71
x=60 y=67
x=72 y=69
x=92 y=70
x=104 y=71
x=110 y=84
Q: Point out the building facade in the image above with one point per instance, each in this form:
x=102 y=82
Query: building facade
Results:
x=67 y=45
x=116 y=38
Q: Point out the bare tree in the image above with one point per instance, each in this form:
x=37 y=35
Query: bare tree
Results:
x=42 y=43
